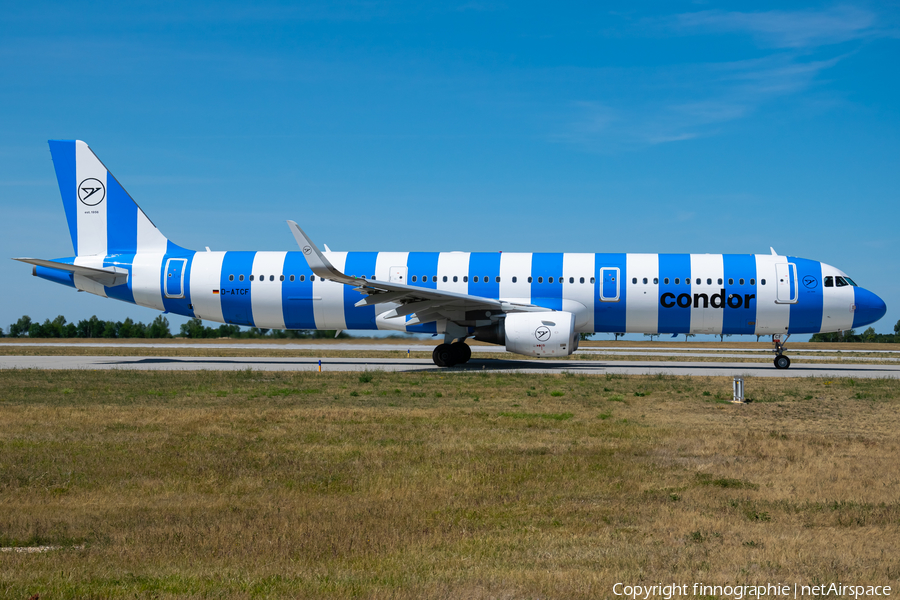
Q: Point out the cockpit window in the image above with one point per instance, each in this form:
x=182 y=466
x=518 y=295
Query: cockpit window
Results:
x=851 y=282
x=840 y=281
x=829 y=281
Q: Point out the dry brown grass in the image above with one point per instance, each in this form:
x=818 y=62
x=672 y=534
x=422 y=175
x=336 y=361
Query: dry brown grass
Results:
x=249 y=484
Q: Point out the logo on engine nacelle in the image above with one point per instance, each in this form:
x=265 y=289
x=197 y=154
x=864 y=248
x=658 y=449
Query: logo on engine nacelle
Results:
x=542 y=333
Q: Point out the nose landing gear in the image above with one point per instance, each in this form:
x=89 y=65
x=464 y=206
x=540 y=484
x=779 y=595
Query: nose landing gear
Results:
x=781 y=360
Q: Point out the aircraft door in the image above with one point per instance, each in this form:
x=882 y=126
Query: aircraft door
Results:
x=609 y=284
x=398 y=274
x=175 y=268
x=785 y=283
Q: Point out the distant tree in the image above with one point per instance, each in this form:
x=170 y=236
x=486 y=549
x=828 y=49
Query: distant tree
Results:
x=20 y=327
x=90 y=328
x=869 y=335
x=617 y=335
x=71 y=331
x=651 y=335
x=36 y=330
x=159 y=328
x=193 y=329
x=897 y=328
x=128 y=329
x=585 y=336
x=688 y=335
x=1 y=332
x=229 y=331
x=722 y=336
x=110 y=330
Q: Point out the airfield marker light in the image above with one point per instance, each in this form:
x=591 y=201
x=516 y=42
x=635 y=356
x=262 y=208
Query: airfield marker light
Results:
x=320 y=365
x=407 y=353
x=738 y=386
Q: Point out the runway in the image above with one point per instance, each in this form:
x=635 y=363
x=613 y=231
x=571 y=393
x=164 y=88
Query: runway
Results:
x=589 y=367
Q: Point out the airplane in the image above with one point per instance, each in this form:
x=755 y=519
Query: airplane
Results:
x=534 y=304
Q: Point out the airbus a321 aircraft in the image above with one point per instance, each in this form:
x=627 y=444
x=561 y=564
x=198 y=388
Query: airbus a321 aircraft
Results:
x=535 y=304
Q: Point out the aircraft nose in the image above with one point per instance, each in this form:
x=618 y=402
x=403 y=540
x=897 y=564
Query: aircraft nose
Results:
x=869 y=308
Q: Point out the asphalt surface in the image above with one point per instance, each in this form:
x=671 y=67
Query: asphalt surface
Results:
x=593 y=367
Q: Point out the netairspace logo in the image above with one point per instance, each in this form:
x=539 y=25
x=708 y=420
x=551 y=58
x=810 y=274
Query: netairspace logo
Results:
x=739 y=592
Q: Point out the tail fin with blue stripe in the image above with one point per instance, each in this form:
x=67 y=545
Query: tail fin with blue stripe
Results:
x=103 y=219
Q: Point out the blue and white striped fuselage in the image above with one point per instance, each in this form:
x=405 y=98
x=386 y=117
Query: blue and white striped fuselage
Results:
x=627 y=293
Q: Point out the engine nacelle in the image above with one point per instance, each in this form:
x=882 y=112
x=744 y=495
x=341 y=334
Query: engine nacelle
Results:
x=550 y=333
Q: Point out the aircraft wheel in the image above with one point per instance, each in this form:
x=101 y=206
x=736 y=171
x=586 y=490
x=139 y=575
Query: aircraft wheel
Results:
x=461 y=353
x=443 y=355
x=782 y=362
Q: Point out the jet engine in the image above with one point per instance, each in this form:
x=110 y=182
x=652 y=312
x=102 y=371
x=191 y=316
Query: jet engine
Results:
x=550 y=333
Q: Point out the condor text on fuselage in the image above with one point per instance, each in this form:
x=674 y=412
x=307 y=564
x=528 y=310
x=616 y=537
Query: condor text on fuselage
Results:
x=535 y=304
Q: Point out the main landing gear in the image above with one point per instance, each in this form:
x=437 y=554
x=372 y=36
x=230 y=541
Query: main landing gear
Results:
x=781 y=361
x=447 y=355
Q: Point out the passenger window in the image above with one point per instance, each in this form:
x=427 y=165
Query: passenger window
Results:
x=240 y=277
x=251 y=278
x=730 y=281
x=540 y=280
x=829 y=281
x=475 y=279
x=666 y=281
x=434 y=279
x=709 y=281
x=312 y=277
x=698 y=281
x=572 y=280
x=445 y=279
x=752 y=282
x=529 y=280
x=634 y=280
x=645 y=281
x=465 y=279
x=497 y=279
x=281 y=278
x=485 y=279
x=720 y=281
x=762 y=282
x=549 y=280
x=592 y=280
x=413 y=278
x=514 y=279
x=292 y=277
x=581 y=280
x=455 y=279
x=272 y=278
x=741 y=281
x=231 y=278
x=656 y=281
x=677 y=281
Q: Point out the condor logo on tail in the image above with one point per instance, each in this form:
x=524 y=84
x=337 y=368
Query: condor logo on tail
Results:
x=670 y=300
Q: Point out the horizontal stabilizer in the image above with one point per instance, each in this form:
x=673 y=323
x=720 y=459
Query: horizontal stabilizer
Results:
x=106 y=277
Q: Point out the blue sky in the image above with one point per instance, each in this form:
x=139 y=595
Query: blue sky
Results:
x=595 y=127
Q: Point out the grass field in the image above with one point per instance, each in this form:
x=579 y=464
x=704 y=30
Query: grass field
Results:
x=457 y=485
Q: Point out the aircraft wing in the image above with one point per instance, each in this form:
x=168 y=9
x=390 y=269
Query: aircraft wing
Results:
x=107 y=277
x=425 y=304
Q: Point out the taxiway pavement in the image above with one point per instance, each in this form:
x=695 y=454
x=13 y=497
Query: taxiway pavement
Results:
x=590 y=367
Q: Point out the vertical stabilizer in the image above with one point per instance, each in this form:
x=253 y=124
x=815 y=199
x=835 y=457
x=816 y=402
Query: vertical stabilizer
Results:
x=103 y=219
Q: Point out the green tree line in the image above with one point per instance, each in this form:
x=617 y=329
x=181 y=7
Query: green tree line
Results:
x=159 y=328
x=867 y=336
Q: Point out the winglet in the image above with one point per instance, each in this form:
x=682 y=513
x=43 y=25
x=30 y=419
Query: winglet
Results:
x=316 y=260
x=773 y=251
